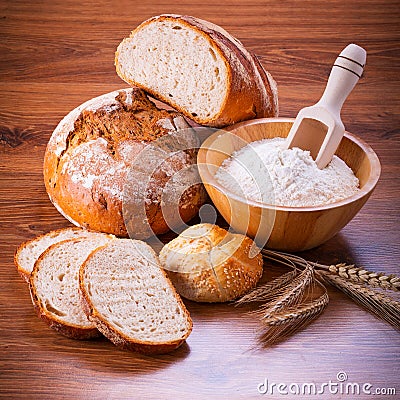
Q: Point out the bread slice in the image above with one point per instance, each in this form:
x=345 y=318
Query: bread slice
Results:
x=54 y=286
x=128 y=296
x=208 y=264
x=28 y=252
x=199 y=69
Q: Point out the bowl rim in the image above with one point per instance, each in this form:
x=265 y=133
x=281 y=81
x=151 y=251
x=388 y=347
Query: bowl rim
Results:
x=365 y=190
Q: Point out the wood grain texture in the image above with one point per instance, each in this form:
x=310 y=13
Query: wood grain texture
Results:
x=54 y=56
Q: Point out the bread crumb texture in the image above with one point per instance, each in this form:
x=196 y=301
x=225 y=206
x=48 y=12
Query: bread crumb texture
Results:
x=179 y=62
x=54 y=284
x=197 y=68
x=29 y=251
x=130 y=298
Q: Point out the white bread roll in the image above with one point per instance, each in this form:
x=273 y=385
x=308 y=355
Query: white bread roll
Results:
x=199 y=69
x=208 y=264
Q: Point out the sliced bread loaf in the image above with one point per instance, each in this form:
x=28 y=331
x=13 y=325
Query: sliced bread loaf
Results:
x=199 y=69
x=128 y=296
x=54 y=286
x=28 y=252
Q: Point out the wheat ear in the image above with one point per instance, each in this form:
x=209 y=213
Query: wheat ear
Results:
x=361 y=275
x=378 y=303
x=283 y=324
x=289 y=295
x=288 y=307
x=345 y=271
x=354 y=282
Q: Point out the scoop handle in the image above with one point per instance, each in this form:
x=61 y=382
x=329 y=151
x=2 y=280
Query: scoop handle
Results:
x=344 y=75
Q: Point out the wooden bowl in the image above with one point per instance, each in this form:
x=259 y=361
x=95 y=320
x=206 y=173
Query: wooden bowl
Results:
x=277 y=227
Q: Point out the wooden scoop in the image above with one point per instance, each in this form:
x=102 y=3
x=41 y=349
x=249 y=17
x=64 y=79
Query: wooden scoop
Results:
x=319 y=128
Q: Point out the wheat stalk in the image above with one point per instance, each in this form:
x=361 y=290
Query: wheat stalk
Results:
x=287 y=307
x=379 y=304
x=268 y=290
x=283 y=324
x=361 y=275
x=345 y=271
x=290 y=294
x=354 y=282
x=305 y=310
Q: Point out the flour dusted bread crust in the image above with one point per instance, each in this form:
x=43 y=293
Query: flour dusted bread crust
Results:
x=199 y=69
x=208 y=264
x=54 y=286
x=93 y=151
x=28 y=252
x=128 y=296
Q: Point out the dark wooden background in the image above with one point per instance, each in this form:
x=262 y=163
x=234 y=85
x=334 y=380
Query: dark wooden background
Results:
x=57 y=54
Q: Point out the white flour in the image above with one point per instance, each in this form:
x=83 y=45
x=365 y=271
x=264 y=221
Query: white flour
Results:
x=265 y=171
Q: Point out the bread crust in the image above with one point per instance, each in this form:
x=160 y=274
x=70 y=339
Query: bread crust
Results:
x=21 y=271
x=261 y=93
x=119 y=338
x=71 y=330
x=224 y=269
x=94 y=199
x=25 y=275
x=251 y=92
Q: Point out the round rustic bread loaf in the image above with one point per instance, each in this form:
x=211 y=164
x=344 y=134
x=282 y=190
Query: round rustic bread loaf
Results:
x=208 y=264
x=96 y=150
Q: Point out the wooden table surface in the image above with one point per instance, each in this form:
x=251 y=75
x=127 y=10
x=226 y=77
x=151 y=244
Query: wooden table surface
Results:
x=57 y=54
